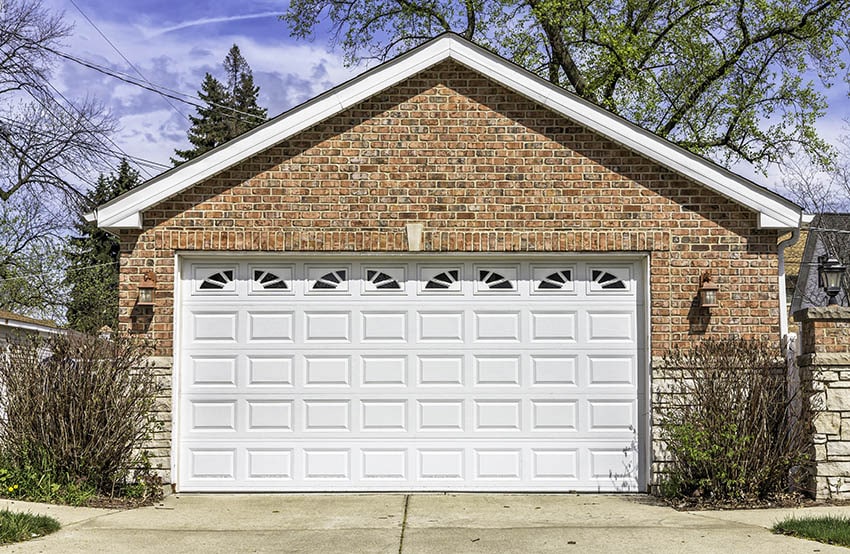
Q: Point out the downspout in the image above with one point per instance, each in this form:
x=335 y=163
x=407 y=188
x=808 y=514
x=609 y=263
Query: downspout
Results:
x=783 y=296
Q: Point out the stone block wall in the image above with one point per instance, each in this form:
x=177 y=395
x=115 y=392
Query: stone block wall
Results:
x=824 y=364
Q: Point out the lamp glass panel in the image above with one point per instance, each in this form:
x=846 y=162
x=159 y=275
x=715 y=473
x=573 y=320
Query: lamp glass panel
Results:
x=833 y=279
x=145 y=296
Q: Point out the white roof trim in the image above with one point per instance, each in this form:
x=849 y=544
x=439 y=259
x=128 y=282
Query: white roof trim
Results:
x=29 y=326
x=125 y=211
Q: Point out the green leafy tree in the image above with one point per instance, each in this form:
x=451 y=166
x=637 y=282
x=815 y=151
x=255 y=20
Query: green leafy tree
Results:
x=229 y=110
x=92 y=274
x=731 y=79
x=31 y=258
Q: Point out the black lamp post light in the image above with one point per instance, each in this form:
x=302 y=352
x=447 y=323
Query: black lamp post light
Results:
x=830 y=272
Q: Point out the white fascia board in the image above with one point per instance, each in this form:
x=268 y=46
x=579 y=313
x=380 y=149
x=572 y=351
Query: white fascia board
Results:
x=29 y=326
x=775 y=212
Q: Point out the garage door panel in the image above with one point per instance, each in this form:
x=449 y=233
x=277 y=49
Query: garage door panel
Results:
x=322 y=326
x=445 y=371
x=612 y=371
x=496 y=326
x=553 y=326
x=326 y=371
x=271 y=326
x=610 y=326
x=269 y=415
x=441 y=327
x=383 y=327
x=379 y=375
x=211 y=371
x=383 y=370
x=499 y=371
x=263 y=464
x=214 y=326
x=558 y=370
x=270 y=371
x=422 y=466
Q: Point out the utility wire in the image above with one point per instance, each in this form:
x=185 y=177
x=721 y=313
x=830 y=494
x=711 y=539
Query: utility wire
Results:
x=158 y=89
x=36 y=163
x=33 y=130
x=824 y=230
x=44 y=274
x=136 y=69
x=97 y=136
x=83 y=118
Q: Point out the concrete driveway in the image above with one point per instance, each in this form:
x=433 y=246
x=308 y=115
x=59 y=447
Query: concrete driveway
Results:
x=213 y=523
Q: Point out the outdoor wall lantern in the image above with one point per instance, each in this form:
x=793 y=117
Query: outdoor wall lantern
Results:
x=707 y=292
x=146 y=290
x=830 y=271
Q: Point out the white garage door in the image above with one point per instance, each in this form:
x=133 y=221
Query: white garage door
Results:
x=391 y=374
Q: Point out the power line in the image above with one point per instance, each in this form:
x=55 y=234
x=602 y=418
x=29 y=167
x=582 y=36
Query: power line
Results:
x=29 y=129
x=36 y=163
x=97 y=136
x=45 y=274
x=136 y=69
x=158 y=89
x=83 y=117
x=825 y=230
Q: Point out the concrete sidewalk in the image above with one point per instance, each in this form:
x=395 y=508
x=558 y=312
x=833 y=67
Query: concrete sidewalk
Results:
x=412 y=523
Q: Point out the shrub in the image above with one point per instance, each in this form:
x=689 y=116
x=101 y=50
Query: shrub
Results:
x=74 y=413
x=726 y=422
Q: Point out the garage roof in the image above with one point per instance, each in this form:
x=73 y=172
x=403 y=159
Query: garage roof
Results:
x=125 y=212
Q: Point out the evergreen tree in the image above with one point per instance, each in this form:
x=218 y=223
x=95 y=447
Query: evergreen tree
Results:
x=242 y=94
x=230 y=108
x=93 y=260
x=210 y=127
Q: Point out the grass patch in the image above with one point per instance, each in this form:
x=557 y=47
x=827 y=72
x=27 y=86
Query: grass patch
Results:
x=826 y=529
x=19 y=526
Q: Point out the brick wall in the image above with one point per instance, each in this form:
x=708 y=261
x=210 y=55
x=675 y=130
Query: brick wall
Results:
x=484 y=170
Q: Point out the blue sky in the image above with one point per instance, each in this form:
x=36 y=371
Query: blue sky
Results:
x=175 y=42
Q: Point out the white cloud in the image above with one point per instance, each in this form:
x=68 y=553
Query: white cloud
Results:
x=210 y=20
x=176 y=56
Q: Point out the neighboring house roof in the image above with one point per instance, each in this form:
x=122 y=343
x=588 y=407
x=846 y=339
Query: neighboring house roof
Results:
x=125 y=212
x=828 y=233
x=22 y=322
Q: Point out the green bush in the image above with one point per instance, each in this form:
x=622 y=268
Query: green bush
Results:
x=726 y=422
x=75 y=411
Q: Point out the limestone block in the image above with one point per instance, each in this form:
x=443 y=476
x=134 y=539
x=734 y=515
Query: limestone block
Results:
x=827 y=376
x=820 y=452
x=837 y=448
x=821 y=488
x=838 y=399
x=828 y=423
x=839 y=470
